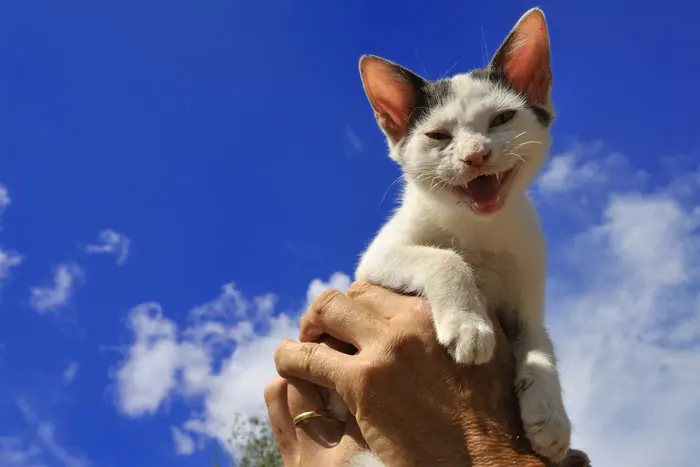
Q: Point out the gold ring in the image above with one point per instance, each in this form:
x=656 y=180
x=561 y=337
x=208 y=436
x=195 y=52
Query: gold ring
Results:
x=313 y=414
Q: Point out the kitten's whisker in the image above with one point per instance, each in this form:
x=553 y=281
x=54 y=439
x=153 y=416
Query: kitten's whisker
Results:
x=516 y=155
x=515 y=137
x=434 y=184
x=524 y=143
x=387 y=190
x=415 y=51
x=448 y=70
x=414 y=109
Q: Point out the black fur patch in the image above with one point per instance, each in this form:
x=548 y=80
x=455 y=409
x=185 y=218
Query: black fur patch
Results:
x=428 y=96
x=489 y=74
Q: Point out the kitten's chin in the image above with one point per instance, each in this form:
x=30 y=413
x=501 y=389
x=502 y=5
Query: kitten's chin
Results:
x=486 y=194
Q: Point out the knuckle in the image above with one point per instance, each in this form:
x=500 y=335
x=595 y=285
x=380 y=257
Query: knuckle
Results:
x=308 y=355
x=273 y=389
x=319 y=306
x=358 y=289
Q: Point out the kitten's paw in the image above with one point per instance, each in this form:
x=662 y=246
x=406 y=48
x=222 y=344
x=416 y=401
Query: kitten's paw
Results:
x=544 y=419
x=469 y=339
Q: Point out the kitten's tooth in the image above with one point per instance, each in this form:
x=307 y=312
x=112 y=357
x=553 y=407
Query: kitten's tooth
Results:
x=498 y=176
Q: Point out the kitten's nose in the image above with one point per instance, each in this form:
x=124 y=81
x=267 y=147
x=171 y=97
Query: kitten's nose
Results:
x=476 y=159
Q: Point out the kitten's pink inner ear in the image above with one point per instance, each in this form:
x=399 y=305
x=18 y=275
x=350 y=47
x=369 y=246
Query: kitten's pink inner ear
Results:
x=392 y=98
x=526 y=62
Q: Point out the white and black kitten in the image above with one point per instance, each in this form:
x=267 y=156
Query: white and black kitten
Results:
x=466 y=236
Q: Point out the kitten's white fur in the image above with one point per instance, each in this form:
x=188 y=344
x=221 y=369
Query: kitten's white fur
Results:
x=365 y=459
x=461 y=262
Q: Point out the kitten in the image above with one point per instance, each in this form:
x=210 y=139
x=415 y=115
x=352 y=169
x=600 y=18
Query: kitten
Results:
x=466 y=236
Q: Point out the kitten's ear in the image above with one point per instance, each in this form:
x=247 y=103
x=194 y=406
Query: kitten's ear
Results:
x=393 y=91
x=523 y=58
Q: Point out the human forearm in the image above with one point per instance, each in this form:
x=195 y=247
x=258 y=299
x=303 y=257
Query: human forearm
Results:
x=489 y=412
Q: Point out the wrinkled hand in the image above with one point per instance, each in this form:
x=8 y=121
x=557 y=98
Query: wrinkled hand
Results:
x=412 y=403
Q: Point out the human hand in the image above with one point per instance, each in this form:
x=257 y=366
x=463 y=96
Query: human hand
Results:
x=402 y=386
x=315 y=442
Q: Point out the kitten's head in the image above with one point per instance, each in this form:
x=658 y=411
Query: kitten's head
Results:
x=477 y=137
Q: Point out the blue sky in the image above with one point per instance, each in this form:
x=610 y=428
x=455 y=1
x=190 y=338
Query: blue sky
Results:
x=179 y=178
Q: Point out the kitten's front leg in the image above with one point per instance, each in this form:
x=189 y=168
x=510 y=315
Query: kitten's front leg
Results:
x=542 y=411
x=448 y=283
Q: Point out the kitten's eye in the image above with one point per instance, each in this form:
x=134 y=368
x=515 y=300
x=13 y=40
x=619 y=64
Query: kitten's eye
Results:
x=438 y=135
x=503 y=117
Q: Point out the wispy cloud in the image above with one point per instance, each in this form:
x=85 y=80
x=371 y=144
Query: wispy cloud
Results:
x=113 y=243
x=582 y=169
x=15 y=452
x=184 y=443
x=46 y=443
x=56 y=295
x=166 y=361
x=45 y=431
x=71 y=372
x=353 y=140
x=4 y=198
x=8 y=259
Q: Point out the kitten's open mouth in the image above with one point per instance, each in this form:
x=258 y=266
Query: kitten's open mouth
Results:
x=486 y=193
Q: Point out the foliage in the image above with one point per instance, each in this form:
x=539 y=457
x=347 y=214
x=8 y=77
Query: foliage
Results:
x=260 y=449
x=253 y=439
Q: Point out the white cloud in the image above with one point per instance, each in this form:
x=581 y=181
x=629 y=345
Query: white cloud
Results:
x=111 y=242
x=165 y=361
x=15 y=452
x=71 y=372
x=338 y=280
x=571 y=169
x=4 y=198
x=45 y=431
x=563 y=173
x=45 y=434
x=626 y=320
x=184 y=444
x=629 y=344
x=54 y=296
x=8 y=259
x=148 y=375
x=580 y=169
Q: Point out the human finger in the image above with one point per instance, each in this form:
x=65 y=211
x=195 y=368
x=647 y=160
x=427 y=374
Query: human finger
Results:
x=381 y=301
x=340 y=316
x=312 y=362
x=323 y=431
x=280 y=416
